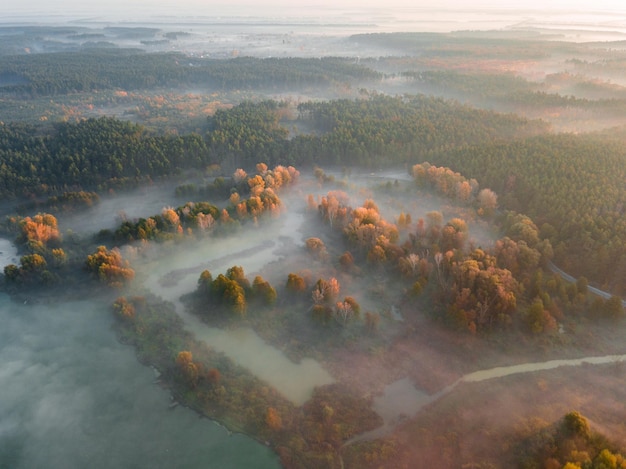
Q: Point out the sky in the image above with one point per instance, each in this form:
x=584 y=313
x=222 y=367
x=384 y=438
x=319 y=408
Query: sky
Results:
x=207 y=5
x=569 y=11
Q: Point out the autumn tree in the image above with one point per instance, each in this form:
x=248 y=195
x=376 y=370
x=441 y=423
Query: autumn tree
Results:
x=237 y=274
x=187 y=368
x=434 y=224
x=239 y=176
x=295 y=283
x=483 y=295
x=346 y=261
x=124 y=308
x=11 y=273
x=317 y=248
x=33 y=268
x=262 y=289
x=538 y=318
x=356 y=308
x=574 y=424
x=273 y=420
x=205 y=282
x=376 y=255
x=326 y=291
x=172 y=220
x=40 y=229
x=311 y=204
x=214 y=376
x=324 y=294
x=347 y=310
x=59 y=258
x=343 y=312
x=109 y=267
x=332 y=206
x=33 y=263
x=487 y=202
x=454 y=235
x=229 y=292
x=402 y=221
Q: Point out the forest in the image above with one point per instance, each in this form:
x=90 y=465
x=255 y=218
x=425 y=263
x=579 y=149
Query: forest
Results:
x=572 y=182
x=103 y=69
x=413 y=218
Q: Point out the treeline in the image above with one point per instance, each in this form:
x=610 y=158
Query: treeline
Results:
x=514 y=92
x=571 y=186
x=104 y=69
x=233 y=291
x=471 y=86
x=65 y=202
x=251 y=197
x=249 y=132
x=472 y=45
x=45 y=261
x=381 y=130
x=94 y=153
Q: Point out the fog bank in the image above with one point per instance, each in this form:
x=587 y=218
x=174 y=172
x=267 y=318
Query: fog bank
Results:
x=72 y=396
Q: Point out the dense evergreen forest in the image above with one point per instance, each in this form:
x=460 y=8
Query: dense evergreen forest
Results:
x=104 y=69
x=371 y=132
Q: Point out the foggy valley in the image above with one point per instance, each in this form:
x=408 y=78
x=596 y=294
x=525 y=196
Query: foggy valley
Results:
x=343 y=237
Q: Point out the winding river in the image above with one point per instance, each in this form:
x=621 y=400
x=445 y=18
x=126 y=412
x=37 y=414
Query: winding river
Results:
x=69 y=390
x=177 y=273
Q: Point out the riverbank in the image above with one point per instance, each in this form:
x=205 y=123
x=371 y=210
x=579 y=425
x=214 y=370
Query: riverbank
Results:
x=307 y=436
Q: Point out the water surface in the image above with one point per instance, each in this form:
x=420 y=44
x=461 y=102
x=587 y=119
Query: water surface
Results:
x=73 y=396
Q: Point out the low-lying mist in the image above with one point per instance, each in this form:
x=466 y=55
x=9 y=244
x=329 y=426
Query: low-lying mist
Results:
x=73 y=396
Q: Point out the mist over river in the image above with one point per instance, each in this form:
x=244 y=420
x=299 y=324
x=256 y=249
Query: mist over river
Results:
x=73 y=396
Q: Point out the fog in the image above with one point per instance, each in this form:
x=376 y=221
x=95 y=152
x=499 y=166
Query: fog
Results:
x=73 y=396
x=8 y=253
x=176 y=274
x=114 y=208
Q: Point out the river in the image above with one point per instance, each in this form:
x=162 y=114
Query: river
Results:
x=73 y=396
x=177 y=273
x=401 y=399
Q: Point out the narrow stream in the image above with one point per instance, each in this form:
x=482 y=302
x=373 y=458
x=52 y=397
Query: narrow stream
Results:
x=402 y=400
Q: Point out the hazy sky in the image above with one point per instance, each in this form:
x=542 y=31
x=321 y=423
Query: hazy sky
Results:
x=83 y=5
x=460 y=14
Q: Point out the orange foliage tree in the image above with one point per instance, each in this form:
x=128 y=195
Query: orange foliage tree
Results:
x=273 y=420
x=110 y=267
